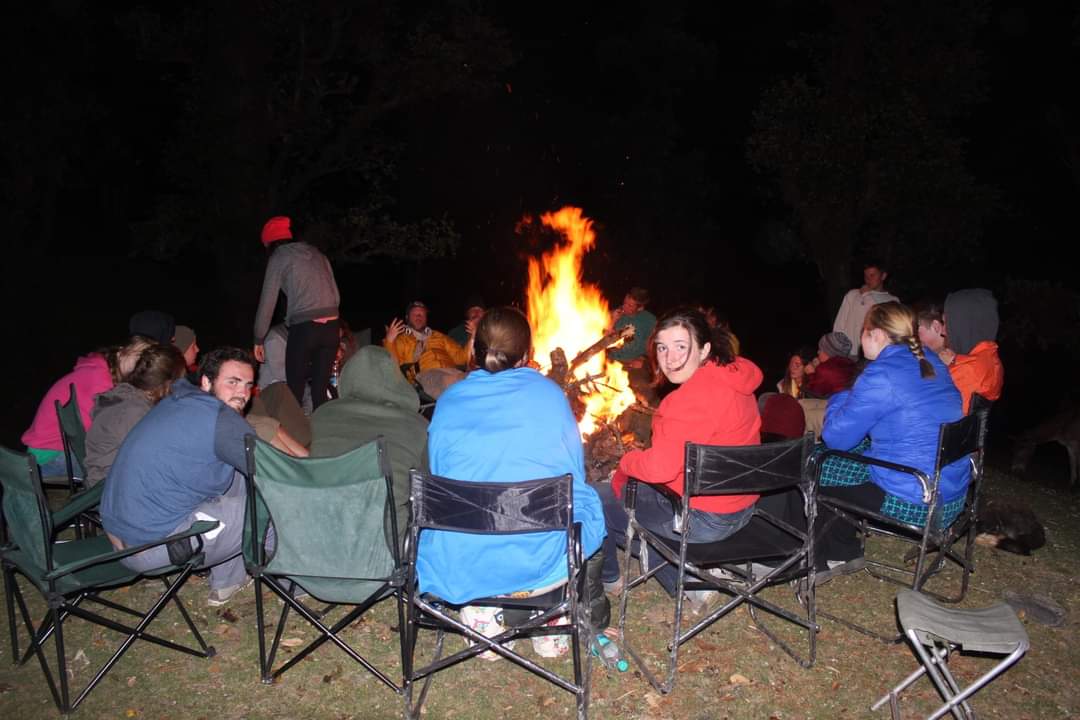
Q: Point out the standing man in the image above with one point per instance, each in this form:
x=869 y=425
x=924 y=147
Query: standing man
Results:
x=304 y=274
x=180 y=464
x=858 y=301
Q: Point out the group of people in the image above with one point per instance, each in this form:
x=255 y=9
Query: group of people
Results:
x=168 y=442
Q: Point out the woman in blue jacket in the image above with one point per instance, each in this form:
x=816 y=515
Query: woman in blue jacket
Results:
x=506 y=422
x=899 y=402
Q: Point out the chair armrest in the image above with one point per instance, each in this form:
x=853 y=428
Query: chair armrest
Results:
x=197 y=528
x=77 y=505
x=919 y=475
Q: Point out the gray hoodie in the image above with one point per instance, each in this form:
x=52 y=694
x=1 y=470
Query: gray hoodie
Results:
x=305 y=276
x=971 y=316
x=114 y=414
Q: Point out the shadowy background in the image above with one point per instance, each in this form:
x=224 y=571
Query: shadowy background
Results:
x=747 y=157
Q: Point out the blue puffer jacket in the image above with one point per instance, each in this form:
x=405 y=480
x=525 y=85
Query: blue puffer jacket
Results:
x=902 y=413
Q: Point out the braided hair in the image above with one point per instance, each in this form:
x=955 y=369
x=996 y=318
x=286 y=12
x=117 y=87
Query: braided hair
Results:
x=899 y=323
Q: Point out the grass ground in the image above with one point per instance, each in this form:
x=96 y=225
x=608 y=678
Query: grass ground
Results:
x=730 y=671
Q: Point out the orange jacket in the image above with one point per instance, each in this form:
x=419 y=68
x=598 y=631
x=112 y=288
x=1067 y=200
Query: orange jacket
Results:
x=440 y=351
x=980 y=372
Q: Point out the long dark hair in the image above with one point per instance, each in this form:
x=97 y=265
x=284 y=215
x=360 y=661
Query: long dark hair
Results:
x=722 y=346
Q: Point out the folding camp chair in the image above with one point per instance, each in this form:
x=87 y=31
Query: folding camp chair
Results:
x=334 y=536
x=73 y=439
x=71 y=574
x=934 y=544
x=493 y=508
x=935 y=631
x=767 y=551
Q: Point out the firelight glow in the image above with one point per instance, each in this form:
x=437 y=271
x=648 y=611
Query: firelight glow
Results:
x=566 y=312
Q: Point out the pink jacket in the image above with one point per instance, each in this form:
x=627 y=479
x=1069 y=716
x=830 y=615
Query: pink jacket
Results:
x=91 y=377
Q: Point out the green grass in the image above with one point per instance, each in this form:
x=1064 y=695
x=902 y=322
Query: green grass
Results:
x=730 y=671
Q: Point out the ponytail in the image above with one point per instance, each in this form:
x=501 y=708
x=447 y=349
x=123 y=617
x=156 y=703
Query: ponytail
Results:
x=926 y=370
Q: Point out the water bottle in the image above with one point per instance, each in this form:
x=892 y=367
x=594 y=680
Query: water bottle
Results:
x=605 y=648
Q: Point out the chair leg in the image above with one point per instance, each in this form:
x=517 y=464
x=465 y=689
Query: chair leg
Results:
x=9 y=600
x=61 y=665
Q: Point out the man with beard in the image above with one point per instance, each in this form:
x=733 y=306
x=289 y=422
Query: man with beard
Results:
x=180 y=464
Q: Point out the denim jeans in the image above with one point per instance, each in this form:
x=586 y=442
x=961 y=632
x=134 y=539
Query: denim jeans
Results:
x=654 y=512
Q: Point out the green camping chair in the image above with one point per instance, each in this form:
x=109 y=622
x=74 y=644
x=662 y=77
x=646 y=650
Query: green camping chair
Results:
x=70 y=575
x=334 y=538
x=73 y=439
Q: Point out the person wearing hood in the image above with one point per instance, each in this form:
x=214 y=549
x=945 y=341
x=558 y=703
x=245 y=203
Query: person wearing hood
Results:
x=299 y=270
x=971 y=325
x=374 y=399
x=713 y=404
x=858 y=301
x=119 y=409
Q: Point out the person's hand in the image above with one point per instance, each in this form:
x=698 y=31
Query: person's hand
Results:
x=260 y=353
x=616 y=315
x=810 y=367
x=947 y=356
x=470 y=327
x=395 y=328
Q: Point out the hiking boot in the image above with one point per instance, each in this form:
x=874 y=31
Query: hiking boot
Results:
x=219 y=597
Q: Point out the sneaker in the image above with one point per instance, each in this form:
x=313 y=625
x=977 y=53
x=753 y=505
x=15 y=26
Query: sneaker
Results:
x=219 y=597
x=837 y=568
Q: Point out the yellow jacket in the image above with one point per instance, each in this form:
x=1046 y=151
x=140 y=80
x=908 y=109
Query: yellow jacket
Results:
x=439 y=352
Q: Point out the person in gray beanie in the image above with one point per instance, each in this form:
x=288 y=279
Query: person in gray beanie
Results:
x=834 y=370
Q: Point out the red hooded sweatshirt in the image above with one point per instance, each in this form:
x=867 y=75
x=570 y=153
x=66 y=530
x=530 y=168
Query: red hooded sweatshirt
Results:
x=716 y=406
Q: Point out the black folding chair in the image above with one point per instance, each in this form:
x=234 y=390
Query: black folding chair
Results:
x=492 y=508
x=768 y=551
x=335 y=529
x=71 y=574
x=934 y=544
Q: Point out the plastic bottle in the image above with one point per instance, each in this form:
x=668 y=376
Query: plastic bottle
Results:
x=605 y=648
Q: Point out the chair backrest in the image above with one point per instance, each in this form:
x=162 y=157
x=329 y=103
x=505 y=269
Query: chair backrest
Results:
x=960 y=439
x=333 y=518
x=72 y=431
x=27 y=523
x=747 y=469
x=540 y=505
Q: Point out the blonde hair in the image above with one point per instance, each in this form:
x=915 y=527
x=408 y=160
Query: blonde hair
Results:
x=503 y=339
x=899 y=323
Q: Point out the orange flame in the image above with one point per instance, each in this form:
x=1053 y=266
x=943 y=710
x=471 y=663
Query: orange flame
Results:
x=568 y=313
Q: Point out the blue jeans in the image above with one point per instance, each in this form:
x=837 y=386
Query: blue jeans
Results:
x=57 y=467
x=654 y=511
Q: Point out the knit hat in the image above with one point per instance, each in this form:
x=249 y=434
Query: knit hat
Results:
x=276 y=228
x=153 y=324
x=183 y=338
x=835 y=344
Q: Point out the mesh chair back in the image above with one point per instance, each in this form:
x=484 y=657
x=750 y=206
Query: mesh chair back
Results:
x=489 y=507
x=71 y=426
x=26 y=514
x=748 y=469
x=961 y=439
x=329 y=515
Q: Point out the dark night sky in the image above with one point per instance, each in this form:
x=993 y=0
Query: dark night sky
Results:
x=640 y=116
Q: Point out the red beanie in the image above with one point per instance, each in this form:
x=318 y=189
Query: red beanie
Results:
x=276 y=228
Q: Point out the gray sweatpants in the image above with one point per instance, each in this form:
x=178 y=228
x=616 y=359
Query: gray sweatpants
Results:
x=222 y=551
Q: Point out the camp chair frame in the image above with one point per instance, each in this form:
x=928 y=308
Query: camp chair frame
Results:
x=542 y=505
x=72 y=439
x=71 y=574
x=710 y=471
x=260 y=565
x=934 y=632
x=934 y=545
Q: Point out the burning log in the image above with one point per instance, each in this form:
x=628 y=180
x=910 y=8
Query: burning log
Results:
x=603 y=343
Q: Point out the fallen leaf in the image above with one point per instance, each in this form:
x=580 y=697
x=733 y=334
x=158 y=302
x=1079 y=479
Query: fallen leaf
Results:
x=331 y=676
x=652 y=699
x=292 y=642
x=4 y=687
x=739 y=679
x=694 y=666
x=131 y=712
x=836 y=686
x=80 y=659
x=228 y=615
x=131 y=681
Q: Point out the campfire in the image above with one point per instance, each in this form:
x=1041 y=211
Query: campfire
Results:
x=570 y=319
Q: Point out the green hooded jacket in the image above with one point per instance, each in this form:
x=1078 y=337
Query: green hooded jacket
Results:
x=375 y=399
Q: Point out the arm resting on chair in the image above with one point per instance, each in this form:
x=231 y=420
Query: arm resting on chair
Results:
x=196 y=529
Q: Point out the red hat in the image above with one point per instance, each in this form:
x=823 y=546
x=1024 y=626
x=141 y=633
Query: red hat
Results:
x=276 y=228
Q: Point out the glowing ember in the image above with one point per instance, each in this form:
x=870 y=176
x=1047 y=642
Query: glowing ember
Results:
x=565 y=312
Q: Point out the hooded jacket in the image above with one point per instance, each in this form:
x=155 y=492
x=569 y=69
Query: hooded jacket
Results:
x=375 y=400
x=716 y=406
x=439 y=351
x=902 y=413
x=505 y=427
x=91 y=377
x=972 y=325
x=115 y=413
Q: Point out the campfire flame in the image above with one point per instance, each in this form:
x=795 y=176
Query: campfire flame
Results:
x=570 y=314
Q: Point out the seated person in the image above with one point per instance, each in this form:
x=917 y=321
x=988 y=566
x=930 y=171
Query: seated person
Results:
x=505 y=422
x=795 y=376
x=93 y=374
x=716 y=319
x=374 y=401
x=782 y=418
x=185 y=341
x=931 y=326
x=971 y=319
x=713 y=404
x=900 y=401
x=632 y=312
x=474 y=310
x=834 y=370
x=426 y=356
x=272 y=366
x=153 y=325
x=116 y=411
x=182 y=463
